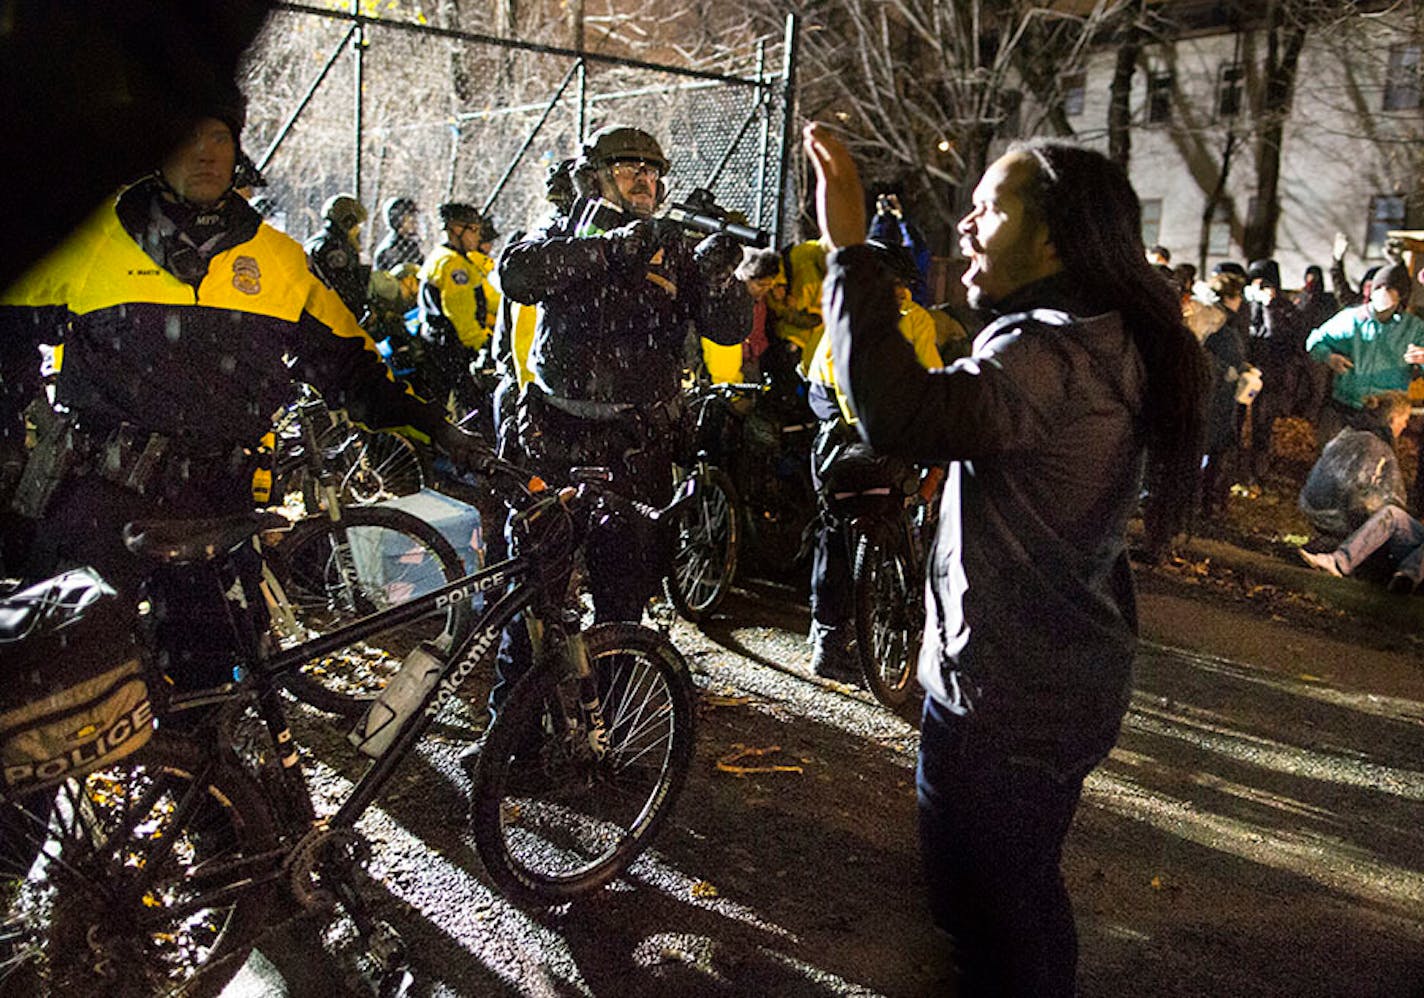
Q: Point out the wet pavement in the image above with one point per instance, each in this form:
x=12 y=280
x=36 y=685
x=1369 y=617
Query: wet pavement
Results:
x=1259 y=830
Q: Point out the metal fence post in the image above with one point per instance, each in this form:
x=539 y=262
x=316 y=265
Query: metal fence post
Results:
x=360 y=46
x=788 y=124
x=764 y=140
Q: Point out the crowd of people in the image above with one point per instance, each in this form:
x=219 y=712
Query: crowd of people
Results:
x=1341 y=359
x=1098 y=374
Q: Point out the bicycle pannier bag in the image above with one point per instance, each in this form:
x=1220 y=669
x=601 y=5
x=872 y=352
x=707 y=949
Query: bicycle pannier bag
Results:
x=72 y=695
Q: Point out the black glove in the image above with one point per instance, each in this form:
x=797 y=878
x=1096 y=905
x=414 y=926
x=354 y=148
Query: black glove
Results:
x=718 y=255
x=467 y=451
x=629 y=248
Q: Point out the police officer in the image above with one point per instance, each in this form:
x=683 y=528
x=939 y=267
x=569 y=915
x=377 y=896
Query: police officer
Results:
x=333 y=253
x=840 y=461
x=616 y=290
x=458 y=304
x=178 y=309
x=400 y=244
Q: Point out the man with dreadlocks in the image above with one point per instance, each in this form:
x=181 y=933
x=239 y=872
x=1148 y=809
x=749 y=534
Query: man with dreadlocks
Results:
x=1084 y=377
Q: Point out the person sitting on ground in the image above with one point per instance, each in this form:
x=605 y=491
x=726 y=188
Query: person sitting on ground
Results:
x=1392 y=530
x=1358 y=472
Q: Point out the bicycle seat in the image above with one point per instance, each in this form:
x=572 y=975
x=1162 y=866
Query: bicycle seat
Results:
x=183 y=542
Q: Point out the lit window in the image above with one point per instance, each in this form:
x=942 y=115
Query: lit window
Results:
x=1229 y=87
x=1218 y=234
x=1074 y=87
x=1159 y=98
x=1386 y=213
x=1402 y=85
x=1151 y=221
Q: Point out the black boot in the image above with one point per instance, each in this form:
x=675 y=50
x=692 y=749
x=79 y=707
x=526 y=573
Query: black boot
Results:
x=833 y=653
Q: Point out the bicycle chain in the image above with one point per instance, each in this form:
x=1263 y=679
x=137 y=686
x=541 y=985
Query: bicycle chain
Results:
x=301 y=862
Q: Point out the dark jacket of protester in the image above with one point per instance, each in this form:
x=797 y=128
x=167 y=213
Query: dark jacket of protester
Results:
x=1355 y=476
x=1032 y=615
x=1228 y=359
x=1315 y=303
x=337 y=263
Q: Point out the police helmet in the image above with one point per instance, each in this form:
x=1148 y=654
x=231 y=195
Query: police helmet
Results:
x=621 y=142
x=459 y=213
x=344 y=211
x=396 y=210
x=897 y=261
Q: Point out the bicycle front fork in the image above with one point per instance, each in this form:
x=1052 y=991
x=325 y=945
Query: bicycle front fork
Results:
x=566 y=643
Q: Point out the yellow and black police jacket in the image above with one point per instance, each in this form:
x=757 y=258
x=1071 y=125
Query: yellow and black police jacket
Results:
x=207 y=362
x=456 y=296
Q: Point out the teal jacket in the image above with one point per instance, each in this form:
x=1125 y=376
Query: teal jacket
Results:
x=1375 y=348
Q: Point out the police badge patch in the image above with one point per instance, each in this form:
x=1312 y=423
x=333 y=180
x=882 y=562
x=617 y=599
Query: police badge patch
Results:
x=246 y=275
x=460 y=276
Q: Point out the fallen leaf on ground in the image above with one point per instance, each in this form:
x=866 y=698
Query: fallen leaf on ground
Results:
x=716 y=700
x=702 y=889
x=730 y=763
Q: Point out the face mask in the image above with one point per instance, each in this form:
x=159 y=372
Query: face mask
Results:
x=1383 y=299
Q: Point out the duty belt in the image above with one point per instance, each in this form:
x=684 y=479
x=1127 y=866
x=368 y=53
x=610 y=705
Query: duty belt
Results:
x=603 y=412
x=152 y=463
x=664 y=412
x=139 y=460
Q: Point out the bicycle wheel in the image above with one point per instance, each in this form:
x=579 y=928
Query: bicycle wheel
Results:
x=121 y=882
x=705 y=558
x=553 y=818
x=889 y=616
x=381 y=466
x=390 y=557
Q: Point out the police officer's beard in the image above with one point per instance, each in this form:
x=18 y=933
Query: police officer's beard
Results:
x=639 y=210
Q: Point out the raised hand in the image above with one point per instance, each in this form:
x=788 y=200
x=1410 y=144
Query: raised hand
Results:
x=840 y=199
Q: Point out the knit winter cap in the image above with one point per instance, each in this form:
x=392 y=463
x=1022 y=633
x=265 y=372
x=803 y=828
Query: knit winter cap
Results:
x=1267 y=271
x=1394 y=276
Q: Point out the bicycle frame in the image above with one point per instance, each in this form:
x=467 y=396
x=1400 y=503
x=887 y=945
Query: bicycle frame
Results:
x=525 y=580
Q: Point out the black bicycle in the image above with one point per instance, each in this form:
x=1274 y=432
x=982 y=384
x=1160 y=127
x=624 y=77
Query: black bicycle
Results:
x=886 y=521
x=888 y=573
x=342 y=562
x=157 y=874
x=710 y=525
x=312 y=442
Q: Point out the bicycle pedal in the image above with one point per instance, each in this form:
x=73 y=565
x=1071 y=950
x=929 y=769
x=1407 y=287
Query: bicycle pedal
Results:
x=386 y=949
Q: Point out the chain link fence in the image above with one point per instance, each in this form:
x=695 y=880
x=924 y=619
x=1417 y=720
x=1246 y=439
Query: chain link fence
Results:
x=449 y=115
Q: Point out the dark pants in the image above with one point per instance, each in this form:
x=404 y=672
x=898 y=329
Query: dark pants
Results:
x=1280 y=385
x=831 y=599
x=626 y=557
x=993 y=818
